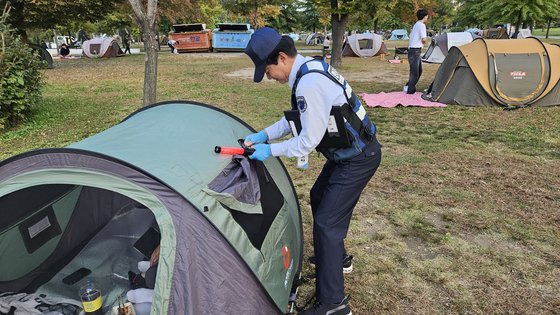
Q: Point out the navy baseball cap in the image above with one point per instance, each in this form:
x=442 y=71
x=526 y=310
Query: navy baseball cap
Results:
x=262 y=43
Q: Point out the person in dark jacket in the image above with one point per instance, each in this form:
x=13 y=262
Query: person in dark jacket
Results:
x=64 y=51
x=126 y=43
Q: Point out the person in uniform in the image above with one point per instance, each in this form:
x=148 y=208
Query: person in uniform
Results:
x=332 y=120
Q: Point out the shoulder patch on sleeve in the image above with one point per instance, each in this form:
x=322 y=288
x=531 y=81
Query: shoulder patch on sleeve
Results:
x=301 y=104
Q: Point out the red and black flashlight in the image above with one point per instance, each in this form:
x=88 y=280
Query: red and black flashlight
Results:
x=243 y=150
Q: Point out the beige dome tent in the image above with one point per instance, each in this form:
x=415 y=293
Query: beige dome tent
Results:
x=441 y=44
x=519 y=72
x=364 y=45
x=101 y=47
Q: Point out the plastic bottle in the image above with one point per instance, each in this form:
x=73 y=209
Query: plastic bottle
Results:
x=91 y=298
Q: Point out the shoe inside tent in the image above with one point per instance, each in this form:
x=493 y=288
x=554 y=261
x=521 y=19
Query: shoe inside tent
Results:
x=230 y=227
x=513 y=73
x=364 y=45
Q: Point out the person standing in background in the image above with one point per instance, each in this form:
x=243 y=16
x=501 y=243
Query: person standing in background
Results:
x=416 y=42
x=326 y=46
x=126 y=43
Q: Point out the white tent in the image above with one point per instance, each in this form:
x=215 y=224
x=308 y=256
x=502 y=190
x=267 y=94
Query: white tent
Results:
x=364 y=45
x=315 y=39
x=524 y=33
x=399 y=34
x=101 y=47
x=441 y=44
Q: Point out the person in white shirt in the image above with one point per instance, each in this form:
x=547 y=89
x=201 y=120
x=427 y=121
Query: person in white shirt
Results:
x=417 y=40
x=171 y=43
x=325 y=108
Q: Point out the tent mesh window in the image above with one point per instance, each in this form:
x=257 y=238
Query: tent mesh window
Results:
x=22 y=208
x=365 y=43
x=95 y=49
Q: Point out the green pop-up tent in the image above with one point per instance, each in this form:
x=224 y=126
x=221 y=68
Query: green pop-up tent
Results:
x=231 y=233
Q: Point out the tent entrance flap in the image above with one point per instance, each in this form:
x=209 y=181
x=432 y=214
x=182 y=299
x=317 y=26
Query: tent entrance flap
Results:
x=518 y=78
x=241 y=183
x=237 y=186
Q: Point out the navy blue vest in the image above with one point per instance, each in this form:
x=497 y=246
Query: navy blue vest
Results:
x=360 y=129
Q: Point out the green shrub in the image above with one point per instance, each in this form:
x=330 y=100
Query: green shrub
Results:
x=20 y=77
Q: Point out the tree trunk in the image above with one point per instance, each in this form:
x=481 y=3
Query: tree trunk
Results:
x=517 y=25
x=339 y=22
x=375 y=24
x=548 y=26
x=147 y=24
x=150 y=66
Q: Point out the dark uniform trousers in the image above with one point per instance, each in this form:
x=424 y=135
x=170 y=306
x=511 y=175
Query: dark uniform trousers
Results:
x=333 y=198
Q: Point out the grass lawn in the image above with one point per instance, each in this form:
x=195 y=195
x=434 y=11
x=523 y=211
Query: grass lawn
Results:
x=554 y=31
x=461 y=218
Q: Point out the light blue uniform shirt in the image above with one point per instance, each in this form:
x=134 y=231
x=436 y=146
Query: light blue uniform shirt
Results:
x=320 y=94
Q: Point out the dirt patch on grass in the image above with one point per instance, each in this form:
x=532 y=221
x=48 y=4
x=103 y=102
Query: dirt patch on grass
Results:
x=388 y=73
x=246 y=74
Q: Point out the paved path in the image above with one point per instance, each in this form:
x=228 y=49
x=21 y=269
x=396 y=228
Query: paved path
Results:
x=551 y=37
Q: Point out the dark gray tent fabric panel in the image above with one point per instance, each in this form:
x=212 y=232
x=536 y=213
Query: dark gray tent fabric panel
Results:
x=553 y=97
x=446 y=70
x=198 y=285
x=464 y=89
x=460 y=85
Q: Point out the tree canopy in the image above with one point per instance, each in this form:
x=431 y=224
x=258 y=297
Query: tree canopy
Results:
x=107 y=16
x=47 y=14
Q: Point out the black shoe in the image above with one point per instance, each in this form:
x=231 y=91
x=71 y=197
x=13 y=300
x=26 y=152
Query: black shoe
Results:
x=136 y=280
x=329 y=309
x=347 y=265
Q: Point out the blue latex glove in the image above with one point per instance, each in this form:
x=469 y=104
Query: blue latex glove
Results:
x=259 y=137
x=262 y=152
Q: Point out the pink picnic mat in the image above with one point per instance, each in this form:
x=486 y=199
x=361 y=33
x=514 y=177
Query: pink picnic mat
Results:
x=392 y=99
